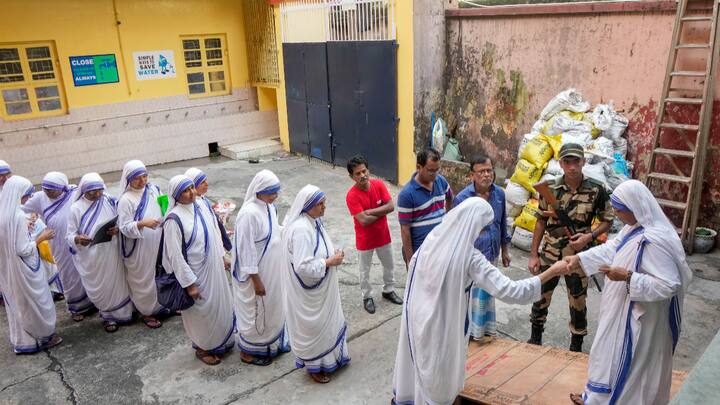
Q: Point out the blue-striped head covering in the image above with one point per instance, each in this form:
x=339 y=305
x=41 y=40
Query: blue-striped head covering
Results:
x=132 y=170
x=197 y=176
x=29 y=192
x=270 y=190
x=90 y=182
x=617 y=204
x=177 y=185
x=55 y=181
x=4 y=167
x=318 y=196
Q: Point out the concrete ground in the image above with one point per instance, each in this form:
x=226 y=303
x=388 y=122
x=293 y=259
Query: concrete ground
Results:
x=140 y=365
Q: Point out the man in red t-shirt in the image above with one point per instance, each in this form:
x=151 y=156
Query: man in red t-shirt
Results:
x=369 y=203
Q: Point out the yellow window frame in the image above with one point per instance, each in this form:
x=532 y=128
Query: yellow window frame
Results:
x=31 y=85
x=211 y=66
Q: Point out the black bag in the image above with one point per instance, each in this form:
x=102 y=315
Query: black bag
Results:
x=170 y=293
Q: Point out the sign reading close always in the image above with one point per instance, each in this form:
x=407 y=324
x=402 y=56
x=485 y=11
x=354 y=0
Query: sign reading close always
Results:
x=154 y=65
x=94 y=69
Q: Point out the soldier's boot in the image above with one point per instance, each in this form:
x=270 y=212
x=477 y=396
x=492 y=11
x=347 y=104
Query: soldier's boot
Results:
x=576 y=343
x=536 y=335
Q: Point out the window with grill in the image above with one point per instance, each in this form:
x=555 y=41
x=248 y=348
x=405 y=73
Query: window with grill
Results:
x=206 y=67
x=30 y=85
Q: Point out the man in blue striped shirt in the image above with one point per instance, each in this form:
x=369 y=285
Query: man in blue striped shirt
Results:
x=422 y=202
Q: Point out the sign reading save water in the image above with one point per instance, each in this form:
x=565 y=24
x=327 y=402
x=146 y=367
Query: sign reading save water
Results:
x=94 y=69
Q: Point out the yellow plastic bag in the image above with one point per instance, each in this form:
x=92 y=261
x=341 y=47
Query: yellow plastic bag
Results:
x=565 y=113
x=46 y=252
x=537 y=151
x=526 y=174
x=526 y=220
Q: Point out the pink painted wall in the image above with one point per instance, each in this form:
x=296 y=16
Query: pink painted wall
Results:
x=501 y=71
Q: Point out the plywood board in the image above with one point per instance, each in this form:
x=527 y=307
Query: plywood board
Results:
x=504 y=372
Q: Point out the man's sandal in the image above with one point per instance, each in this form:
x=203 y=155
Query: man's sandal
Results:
x=207 y=358
x=577 y=399
x=110 y=327
x=320 y=378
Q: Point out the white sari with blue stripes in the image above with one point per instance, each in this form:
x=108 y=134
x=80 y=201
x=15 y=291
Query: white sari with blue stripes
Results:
x=29 y=306
x=100 y=266
x=315 y=319
x=139 y=247
x=631 y=356
x=258 y=250
x=210 y=322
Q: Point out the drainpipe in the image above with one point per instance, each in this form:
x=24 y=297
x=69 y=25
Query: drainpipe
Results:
x=122 y=53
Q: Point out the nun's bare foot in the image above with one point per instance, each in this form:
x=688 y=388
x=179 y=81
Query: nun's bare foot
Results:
x=576 y=399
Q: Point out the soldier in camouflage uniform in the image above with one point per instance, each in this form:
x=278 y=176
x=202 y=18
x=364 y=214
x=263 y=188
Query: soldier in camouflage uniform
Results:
x=583 y=199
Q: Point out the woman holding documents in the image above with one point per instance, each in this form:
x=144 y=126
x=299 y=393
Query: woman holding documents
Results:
x=92 y=236
x=53 y=205
x=29 y=304
x=192 y=251
x=139 y=218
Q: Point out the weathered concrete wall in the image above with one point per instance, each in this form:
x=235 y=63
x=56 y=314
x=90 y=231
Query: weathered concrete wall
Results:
x=429 y=50
x=501 y=70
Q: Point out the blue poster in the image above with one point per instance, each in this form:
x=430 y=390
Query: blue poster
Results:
x=94 y=69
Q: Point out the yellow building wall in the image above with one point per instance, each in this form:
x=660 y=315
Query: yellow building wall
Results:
x=88 y=27
x=406 y=127
x=280 y=91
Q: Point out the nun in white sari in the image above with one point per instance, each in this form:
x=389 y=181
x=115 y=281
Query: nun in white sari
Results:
x=5 y=173
x=314 y=314
x=29 y=304
x=48 y=266
x=641 y=307
x=139 y=217
x=200 y=181
x=432 y=348
x=258 y=274
x=100 y=265
x=53 y=205
x=199 y=268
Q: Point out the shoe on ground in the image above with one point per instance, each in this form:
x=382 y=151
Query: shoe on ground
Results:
x=536 y=335
x=369 y=305
x=393 y=297
x=576 y=343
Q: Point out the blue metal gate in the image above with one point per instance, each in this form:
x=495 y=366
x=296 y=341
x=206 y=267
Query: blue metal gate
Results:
x=342 y=100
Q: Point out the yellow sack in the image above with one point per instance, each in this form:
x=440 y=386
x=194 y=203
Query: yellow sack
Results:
x=46 y=252
x=537 y=151
x=555 y=142
x=526 y=220
x=566 y=113
x=526 y=174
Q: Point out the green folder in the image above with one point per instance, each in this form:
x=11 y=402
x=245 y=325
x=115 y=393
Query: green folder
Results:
x=163 y=202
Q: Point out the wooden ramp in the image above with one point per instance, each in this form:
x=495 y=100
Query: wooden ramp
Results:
x=503 y=372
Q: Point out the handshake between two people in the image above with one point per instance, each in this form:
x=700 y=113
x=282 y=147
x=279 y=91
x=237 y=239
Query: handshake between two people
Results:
x=571 y=264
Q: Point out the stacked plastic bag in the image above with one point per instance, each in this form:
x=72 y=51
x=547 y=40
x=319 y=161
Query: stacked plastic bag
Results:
x=565 y=119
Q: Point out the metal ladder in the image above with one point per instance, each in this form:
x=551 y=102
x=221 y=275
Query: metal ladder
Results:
x=694 y=155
